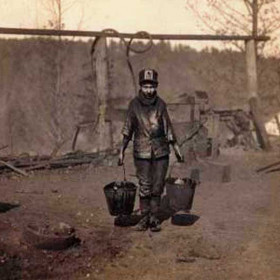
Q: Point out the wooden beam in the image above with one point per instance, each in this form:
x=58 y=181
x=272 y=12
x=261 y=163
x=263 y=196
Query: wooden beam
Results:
x=138 y=35
x=252 y=84
x=102 y=83
x=251 y=67
x=268 y=166
x=215 y=127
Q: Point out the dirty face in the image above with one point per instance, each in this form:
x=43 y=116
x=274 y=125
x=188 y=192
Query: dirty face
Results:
x=149 y=90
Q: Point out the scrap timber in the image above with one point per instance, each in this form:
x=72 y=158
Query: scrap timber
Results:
x=24 y=164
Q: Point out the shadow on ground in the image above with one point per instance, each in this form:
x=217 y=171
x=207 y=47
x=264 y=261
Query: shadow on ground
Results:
x=177 y=218
x=5 y=207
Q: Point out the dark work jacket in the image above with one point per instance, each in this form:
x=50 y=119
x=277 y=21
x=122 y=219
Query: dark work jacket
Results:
x=150 y=127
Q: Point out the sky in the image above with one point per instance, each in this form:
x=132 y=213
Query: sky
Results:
x=153 y=16
x=158 y=16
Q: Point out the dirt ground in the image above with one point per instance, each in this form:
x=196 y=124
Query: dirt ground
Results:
x=235 y=233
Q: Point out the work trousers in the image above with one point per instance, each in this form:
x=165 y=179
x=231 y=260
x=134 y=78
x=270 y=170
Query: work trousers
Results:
x=151 y=174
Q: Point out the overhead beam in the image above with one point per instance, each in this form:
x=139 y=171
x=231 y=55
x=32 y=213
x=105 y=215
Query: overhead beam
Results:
x=138 y=35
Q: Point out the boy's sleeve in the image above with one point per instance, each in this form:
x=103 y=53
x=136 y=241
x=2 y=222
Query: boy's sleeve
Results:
x=168 y=128
x=127 y=129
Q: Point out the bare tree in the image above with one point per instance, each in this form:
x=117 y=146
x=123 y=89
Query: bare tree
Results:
x=248 y=17
x=239 y=17
x=56 y=10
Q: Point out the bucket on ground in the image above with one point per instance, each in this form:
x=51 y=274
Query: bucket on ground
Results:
x=180 y=191
x=120 y=197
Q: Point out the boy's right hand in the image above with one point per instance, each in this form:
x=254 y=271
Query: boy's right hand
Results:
x=180 y=157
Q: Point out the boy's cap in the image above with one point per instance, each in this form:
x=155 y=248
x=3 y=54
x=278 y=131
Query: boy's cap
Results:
x=148 y=76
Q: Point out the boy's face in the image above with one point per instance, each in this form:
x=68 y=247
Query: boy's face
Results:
x=149 y=90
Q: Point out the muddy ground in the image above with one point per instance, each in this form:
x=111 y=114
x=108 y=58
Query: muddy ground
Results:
x=234 y=233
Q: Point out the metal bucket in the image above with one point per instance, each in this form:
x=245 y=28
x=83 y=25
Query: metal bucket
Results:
x=180 y=192
x=120 y=197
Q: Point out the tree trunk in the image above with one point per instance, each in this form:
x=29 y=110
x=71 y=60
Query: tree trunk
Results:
x=253 y=95
x=255 y=18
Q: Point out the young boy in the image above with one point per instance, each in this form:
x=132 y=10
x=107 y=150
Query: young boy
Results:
x=149 y=125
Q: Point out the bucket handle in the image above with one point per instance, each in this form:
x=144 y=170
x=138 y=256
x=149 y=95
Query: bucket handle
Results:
x=124 y=173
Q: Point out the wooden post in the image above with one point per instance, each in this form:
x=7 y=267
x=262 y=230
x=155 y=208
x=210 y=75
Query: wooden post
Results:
x=213 y=133
x=251 y=65
x=102 y=83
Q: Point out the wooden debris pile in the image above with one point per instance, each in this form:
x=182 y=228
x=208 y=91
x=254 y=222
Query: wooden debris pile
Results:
x=24 y=164
x=242 y=127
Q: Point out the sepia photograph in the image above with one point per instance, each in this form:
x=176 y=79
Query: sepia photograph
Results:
x=139 y=139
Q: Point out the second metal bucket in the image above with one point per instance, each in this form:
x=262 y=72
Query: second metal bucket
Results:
x=180 y=191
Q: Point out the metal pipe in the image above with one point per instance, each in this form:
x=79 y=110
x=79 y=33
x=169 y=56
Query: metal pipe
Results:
x=138 y=35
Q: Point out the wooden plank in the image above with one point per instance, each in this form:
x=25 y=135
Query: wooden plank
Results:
x=102 y=82
x=183 y=112
x=70 y=159
x=215 y=135
x=22 y=172
x=268 y=166
x=180 y=112
x=251 y=68
x=139 y=35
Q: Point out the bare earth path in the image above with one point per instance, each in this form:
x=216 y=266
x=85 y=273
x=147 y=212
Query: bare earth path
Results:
x=235 y=237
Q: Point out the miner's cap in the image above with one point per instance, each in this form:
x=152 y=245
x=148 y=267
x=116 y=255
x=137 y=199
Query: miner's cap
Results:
x=148 y=76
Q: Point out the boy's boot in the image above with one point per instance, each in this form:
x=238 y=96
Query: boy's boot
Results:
x=154 y=223
x=145 y=208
